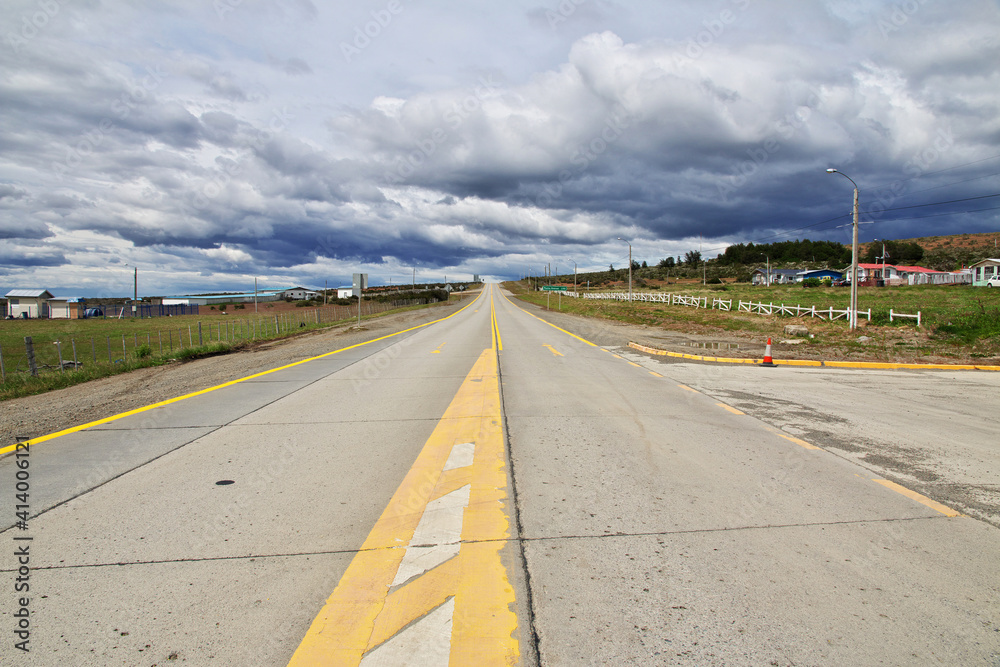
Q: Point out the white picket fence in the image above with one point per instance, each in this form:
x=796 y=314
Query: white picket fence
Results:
x=759 y=308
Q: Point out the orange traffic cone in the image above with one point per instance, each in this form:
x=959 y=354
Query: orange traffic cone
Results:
x=768 y=361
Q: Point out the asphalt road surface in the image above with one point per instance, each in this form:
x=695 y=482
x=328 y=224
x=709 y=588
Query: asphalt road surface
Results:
x=492 y=490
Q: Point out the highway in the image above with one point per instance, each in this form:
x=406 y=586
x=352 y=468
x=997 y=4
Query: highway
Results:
x=490 y=489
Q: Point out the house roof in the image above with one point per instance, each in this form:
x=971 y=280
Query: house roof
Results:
x=69 y=299
x=779 y=272
x=916 y=269
x=806 y=273
x=29 y=293
x=986 y=262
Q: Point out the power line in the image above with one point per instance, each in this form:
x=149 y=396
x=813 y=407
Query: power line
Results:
x=939 y=215
x=940 y=171
x=940 y=203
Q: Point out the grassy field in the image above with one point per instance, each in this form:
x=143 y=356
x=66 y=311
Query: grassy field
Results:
x=94 y=348
x=957 y=322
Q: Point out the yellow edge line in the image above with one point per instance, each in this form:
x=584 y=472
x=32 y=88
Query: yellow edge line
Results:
x=583 y=340
x=655 y=374
x=730 y=409
x=807 y=362
x=107 y=420
x=913 y=495
x=687 y=388
x=797 y=441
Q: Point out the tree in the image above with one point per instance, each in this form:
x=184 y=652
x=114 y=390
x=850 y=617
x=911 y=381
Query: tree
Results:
x=635 y=265
x=644 y=265
x=667 y=263
x=611 y=268
x=693 y=258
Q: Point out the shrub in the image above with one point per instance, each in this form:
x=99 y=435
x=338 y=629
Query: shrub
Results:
x=143 y=351
x=811 y=282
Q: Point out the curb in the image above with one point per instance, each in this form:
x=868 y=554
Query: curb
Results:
x=806 y=362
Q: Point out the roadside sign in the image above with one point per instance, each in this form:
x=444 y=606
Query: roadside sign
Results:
x=554 y=288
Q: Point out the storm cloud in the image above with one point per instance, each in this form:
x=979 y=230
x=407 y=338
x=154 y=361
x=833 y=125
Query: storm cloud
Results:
x=211 y=143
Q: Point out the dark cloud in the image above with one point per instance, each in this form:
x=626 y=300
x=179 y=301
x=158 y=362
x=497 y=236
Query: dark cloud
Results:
x=540 y=136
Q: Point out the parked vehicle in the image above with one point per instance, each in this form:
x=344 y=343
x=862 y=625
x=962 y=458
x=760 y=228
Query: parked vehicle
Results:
x=93 y=312
x=993 y=282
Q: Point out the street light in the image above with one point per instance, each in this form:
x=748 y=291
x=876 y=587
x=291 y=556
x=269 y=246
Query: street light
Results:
x=853 y=316
x=629 y=268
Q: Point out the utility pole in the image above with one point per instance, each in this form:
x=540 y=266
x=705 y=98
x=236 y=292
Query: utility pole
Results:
x=135 y=295
x=853 y=315
x=574 y=277
x=629 y=267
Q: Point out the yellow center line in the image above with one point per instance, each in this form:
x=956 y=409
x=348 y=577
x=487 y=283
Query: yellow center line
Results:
x=913 y=495
x=438 y=349
x=634 y=364
x=361 y=614
x=730 y=409
x=687 y=388
x=655 y=374
x=554 y=351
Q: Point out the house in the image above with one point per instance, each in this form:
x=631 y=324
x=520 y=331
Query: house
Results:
x=27 y=303
x=67 y=307
x=345 y=292
x=984 y=270
x=819 y=273
x=777 y=277
x=299 y=294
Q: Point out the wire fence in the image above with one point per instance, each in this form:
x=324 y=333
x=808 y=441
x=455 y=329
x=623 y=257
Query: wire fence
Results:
x=41 y=352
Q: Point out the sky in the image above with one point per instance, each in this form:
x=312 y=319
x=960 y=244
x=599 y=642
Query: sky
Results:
x=207 y=143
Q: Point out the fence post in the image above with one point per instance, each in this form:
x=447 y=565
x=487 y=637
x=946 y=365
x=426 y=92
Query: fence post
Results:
x=159 y=336
x=75 y=364
x=59 y=354
x=190 y=337
x=124 y=349
x=93 y=349
x=3 y=371
x=109 y=349
x=200 y=340
x=170 y=339
x=918 y=318
x=890 y=315
x=29 y=349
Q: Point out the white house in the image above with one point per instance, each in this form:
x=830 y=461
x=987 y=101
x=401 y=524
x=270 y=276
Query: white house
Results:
x=31 y=303
x=984 y=270
x=67 y=307
x=299 y=294
x=345 y=292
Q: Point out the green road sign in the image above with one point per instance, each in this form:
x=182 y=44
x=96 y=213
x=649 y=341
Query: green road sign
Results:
x=553 y=288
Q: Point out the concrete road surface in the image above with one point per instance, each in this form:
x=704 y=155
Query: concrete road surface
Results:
x=492 y=490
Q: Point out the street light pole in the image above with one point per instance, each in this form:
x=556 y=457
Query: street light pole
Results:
x=629 y=268
x=574 y=277
x=853 y=316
